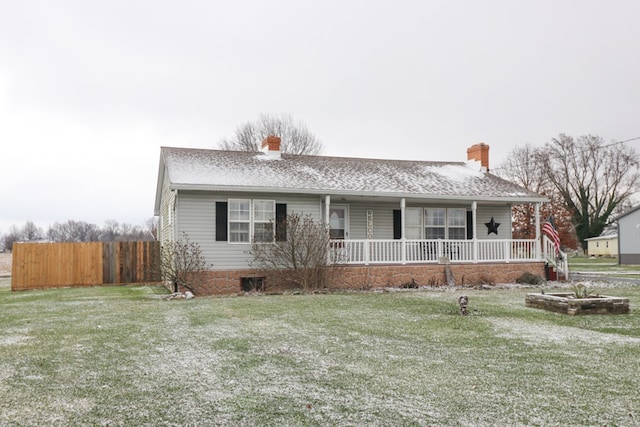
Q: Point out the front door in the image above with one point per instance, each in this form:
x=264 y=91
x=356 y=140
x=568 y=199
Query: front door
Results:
x=338 y=222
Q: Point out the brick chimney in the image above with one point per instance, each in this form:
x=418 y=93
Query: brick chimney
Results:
x=480 y=153
x=271 y=146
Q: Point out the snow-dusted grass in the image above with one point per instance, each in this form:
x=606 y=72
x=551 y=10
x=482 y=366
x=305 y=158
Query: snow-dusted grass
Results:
x=124 y=356
x=603 y=266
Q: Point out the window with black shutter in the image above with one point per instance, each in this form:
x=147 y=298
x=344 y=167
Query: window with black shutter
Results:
x=397 y=224
x=281 y=222
x=221 y=221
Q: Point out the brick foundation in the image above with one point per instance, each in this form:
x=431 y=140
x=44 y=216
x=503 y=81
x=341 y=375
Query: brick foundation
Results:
x=225 y=282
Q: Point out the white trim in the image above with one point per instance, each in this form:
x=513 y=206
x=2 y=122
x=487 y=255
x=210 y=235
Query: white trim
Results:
x=252 y=221
x=376 y=194
x=234 y=221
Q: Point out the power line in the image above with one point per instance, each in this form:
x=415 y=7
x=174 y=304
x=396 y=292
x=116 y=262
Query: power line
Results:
x=637 y=138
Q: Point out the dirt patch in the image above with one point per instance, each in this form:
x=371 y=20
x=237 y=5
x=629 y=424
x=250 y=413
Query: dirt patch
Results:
x=5 y=264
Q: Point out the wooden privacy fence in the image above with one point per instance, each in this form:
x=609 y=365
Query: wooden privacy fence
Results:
x=48 y=265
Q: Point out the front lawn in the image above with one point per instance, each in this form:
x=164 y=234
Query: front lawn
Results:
x=124 y=356
x=605 y=267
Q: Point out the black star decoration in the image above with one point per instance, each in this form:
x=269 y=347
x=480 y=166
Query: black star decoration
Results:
x=492 y=226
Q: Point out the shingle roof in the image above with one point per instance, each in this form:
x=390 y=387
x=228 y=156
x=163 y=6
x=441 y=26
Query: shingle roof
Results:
x=603 y=237
x=245 y=171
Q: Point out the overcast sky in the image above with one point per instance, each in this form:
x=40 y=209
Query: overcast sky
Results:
x=90 y=90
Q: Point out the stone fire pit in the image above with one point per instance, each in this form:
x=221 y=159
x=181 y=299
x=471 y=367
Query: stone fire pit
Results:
x=567 y=303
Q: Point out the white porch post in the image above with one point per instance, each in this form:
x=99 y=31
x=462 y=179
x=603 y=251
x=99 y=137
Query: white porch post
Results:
x=327 y=202
x=403 y=243
x=538 y=239
x=474 y=209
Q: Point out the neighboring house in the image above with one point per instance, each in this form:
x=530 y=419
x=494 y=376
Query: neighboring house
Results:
x=603 y=246
x=396 y=220
x=629 y=237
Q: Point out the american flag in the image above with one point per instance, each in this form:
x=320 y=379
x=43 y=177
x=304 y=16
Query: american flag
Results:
x=549 y=228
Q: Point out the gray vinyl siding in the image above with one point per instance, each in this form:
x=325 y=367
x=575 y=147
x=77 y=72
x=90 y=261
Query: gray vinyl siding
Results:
x=629 y=238
x=500 y=214
x=383 y=219
x=196 y=213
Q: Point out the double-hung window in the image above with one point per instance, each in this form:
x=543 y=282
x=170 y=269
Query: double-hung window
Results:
x=239 y=220
x=251 y=220
x=457 y=224
x=263 y=220
x=439 y=223
x=434 y=223
x=413 y=223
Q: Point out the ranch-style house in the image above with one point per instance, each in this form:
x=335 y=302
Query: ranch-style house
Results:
x=395 y=221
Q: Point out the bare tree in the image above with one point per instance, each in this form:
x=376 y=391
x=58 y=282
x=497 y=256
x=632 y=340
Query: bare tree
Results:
x=60 y=232
x=305 y=258
x=523 y=167
x=151 y=226
x=74 y=231
x=296 y=138
x=28 y=233
x=113 y=231
x=14 y=235
x=182 y=264
x=31 y=232
x=81 y=231
x=110 y=230
x=593 y=179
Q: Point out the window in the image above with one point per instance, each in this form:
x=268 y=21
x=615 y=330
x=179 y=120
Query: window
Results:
x=457 y=223
x=337 y=222
x=413 y=223
x=251 y=284
x=434 y=224
x=239 y=220
x=250 y=220
x=263 y=220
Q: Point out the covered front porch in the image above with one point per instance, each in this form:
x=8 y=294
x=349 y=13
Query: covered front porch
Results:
x=412 y=231
x=403 y=251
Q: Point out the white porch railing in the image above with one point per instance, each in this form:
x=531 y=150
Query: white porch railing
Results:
x=431 y=251
x=559 y=261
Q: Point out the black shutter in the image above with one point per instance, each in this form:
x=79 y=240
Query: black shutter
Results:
x=469 y=225
x=397 y=224
x=281 y=222
x=221 y=221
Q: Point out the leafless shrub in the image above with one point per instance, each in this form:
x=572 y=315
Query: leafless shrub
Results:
x=183 y=265
x=306 y=258
x=486 y=280
x=528 y=278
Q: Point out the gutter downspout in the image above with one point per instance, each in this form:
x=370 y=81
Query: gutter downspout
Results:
x=174 y=230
